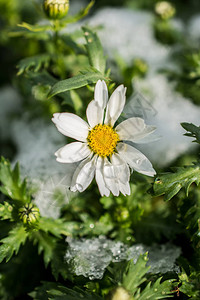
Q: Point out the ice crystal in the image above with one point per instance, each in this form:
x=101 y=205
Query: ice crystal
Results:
x=36 y=142
x=90 y=257
x=10 y=104
x=172 y=109
x=194 y=27
x=137 y=25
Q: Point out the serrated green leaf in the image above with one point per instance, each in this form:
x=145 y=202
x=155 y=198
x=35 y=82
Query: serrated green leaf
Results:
x=134 y=275
x=57 y=227
x=6 y=211
x=46 y=244
x=95 y=50
x=54 y=291
x=42 y=77
x=11 y=244
x=12 y=186
x=171 y=183
x=157 y=290
x=194 y=131
x=75 y=82
x=33 y=63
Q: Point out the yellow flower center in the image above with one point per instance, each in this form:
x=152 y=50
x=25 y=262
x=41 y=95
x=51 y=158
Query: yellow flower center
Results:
x=102 y=140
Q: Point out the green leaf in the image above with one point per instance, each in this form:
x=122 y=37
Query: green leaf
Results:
x=43 y=81
x=54 y=291
x=41 y=91
x=76 y=100
x=33 y=63
x=46 y=244
x=36 y=27
x=171 y=183
x=75 y=82
x=10 y=244
x=57 y=227
x=12 y=186
x=94 y=50
x=134 y=275
x=194 y=131
x=6 y=211
x=190 y=284
x=59 y=265
x=81 y=14
x=156 y=290
x=42 y=77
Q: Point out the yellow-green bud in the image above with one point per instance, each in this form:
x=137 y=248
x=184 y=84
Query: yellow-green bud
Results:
x=29 y=213
x=120 y=294
x=121 y=214
x=165 y=10
x=56 y=9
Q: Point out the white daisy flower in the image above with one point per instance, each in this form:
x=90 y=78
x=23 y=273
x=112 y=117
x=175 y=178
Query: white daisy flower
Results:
x=101 y=147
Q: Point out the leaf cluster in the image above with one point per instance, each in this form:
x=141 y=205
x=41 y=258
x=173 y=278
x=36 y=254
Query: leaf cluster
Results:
x=129 y=279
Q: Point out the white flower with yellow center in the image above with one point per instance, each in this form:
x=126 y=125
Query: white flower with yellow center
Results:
x=101 y=147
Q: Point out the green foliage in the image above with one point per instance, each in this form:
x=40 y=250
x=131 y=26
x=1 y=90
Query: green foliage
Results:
x=54 y=62
x=133 y=281
x=52 y=291
x=6 y=211
x=34 y=63
x=46 y=244
x=11 y=244
x=156 y=290
x=134 y=275
x=171 y=183
x=57 y=227
x=38 y=28
x=76 y=82
x=12 y=186
x=190 y=285
x=35 y=28
x=189 y=216
x=193 y=131
x=80 y=15
x=94 y=49
x=165 y=32
x=187 y=79
x=192 y=65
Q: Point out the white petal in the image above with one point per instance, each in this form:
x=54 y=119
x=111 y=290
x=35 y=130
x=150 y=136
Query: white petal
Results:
x=135 y=159
x=73 y=187
x=115 y=105
x=71 y=126
x=121 y=168
x=101 y=93
x=124 y=188
x=110 y=178
x=100 y=179
x=73 y=152
x=94 y=113
x=83 y=175
x=133 y=129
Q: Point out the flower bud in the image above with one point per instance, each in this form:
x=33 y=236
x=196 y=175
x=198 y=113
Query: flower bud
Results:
x=120 y=294
x=56 y=9
x=165 y=10
x=122 y=214
x=29 y=213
